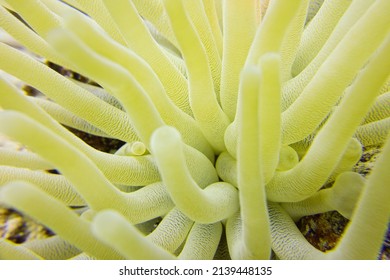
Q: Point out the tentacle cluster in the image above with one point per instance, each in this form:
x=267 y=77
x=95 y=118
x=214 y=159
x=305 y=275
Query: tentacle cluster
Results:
x=235 y=114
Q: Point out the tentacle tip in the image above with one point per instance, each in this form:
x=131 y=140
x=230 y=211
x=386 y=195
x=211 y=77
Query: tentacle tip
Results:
x=164 y=136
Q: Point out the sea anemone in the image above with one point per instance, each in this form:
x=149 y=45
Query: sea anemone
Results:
x=237 y=118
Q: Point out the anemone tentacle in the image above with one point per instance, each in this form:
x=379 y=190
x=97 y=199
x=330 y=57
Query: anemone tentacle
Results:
x=235 y=120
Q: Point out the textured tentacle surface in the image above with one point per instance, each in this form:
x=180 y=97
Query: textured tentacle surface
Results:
x=199 y=129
